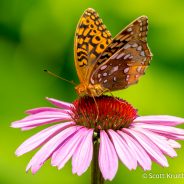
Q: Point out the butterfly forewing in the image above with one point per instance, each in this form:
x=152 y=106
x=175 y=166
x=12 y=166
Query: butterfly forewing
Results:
x=125 y=59
x=91 y=39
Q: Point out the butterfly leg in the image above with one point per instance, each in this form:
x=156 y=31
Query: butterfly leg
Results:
x=96 y=109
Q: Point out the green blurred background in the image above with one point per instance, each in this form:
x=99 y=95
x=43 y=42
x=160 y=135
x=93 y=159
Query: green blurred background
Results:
x=38 y=34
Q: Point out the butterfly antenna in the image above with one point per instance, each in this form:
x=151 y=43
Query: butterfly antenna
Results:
x=115 y=97
x=54 y=75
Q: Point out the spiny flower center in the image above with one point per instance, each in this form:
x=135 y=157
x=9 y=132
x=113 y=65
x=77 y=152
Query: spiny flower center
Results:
x=102 y=113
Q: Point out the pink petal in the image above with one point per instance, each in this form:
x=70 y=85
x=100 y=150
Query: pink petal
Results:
x=41 y=137
x=123 y=150
x=28 y=128
x=36 y=123
x=41 y=118
x=43 y=109
x=160 y=120
x=170 y=132
x=174 y=144
x=44 y=115
x=160 y=141
x=149 y=146
x=83 y=155
x=108 y=160
x=140 y=154
x=65 y=152
x=60 y=104
x=49 y=148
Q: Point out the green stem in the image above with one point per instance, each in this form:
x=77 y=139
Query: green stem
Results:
x=96 y=176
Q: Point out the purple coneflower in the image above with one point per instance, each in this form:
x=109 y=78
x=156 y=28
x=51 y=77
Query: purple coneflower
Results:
x=106 y=130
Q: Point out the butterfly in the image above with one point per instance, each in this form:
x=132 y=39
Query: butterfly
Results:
x=104 y=64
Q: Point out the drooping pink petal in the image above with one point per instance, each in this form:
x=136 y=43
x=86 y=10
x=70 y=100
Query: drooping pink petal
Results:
x=160 y=120
x=140 y=154
x=49 y=148
x=28 y=128
x=108 y=159
x=41 y=118
x=167 y=131
x=123 y=150
x=41 y=137
x=60 y=104
x=83 y=155
x=65 y=152
x=38 y=122
x=160 y=141
x=149 y=146
x=44 y=109
x=174 y=144
x=45 y=115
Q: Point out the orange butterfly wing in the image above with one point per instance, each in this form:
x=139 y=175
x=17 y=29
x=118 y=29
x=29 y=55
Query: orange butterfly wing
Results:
x=91 y=38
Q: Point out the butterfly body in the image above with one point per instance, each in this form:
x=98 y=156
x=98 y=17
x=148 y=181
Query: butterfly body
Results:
x=105 y=64
x=89 y=89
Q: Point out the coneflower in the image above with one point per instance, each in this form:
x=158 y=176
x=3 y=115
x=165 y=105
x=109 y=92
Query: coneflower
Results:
x=104 y=131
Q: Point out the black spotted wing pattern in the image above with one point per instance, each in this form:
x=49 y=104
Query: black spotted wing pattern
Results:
x=91 y=39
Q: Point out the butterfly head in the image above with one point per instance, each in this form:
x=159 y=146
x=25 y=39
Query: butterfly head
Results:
x=89 y=89
x=80 y=89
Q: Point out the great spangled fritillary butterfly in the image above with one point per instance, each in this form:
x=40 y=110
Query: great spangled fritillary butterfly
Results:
x=105 y=64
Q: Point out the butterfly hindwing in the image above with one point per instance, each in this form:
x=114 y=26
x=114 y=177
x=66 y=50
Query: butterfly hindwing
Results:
x=137 y=30
x=91 y=39
x=127 y=62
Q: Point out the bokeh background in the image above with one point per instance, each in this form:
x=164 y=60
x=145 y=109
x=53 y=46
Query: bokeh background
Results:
x=38 y=34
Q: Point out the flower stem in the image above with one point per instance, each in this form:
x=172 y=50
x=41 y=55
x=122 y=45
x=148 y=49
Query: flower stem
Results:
x=96 y=176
